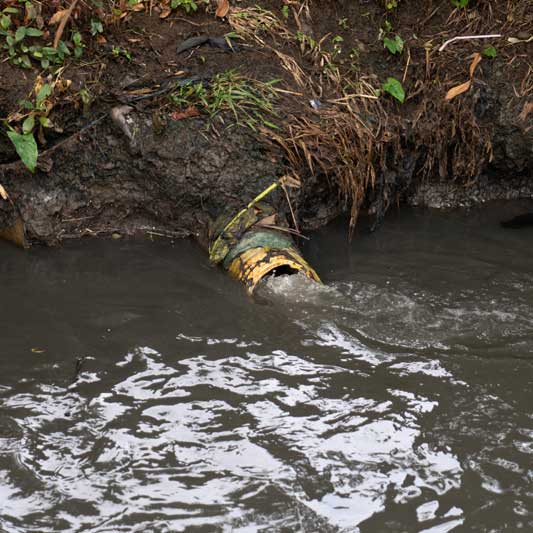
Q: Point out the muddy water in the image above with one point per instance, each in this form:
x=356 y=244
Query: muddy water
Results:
x=141 y=390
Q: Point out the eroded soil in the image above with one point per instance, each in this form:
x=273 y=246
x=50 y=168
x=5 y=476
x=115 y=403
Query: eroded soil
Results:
x=92 y=179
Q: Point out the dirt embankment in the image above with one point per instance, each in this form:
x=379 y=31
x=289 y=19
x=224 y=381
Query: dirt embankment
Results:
x=299 y=90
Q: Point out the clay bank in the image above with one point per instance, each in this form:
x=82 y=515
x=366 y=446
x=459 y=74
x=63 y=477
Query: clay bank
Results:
x=159 y=117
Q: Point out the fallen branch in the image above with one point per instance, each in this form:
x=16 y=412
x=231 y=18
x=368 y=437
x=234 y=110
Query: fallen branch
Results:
x=63 y=23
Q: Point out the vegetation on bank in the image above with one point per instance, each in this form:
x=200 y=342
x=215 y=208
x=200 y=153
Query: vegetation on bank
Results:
x=339 y=105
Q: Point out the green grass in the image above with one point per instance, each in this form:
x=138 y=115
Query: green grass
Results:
x=249 y=102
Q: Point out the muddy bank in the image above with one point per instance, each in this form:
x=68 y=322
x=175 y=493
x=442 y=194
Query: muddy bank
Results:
x=354 y=149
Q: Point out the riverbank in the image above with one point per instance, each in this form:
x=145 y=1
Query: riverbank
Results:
x=294 y=88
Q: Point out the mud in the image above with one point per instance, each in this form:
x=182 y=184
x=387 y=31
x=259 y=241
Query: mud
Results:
x=171 y=179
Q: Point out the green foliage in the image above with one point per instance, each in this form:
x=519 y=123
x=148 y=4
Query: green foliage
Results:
x=285 y=12
x=391 y=4
x=20 y=45
x=460 y=3
x=188 y=5
x=96 y=27
x=26 y=148
x=118 y=51
x=343 y=23
x=34 y=116
x=394 y=88
x=250 y=101
x=490 y=52
x=394 y=46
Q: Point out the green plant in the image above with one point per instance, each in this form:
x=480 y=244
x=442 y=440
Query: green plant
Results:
x=460 y=3
x=96 y=27
x=33 y=116
x=343 y=23
x=249 y=101
x=394 y=46
x=337 y=45
x=285 y=12
x=188 y=5
x=394 y=88
x=118 y=51
x=391 y=4
x=490 y=52
x=19 y=40
x=78 y=44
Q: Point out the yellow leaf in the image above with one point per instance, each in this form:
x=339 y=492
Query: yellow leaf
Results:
x=57 y=17
x=222 y=8
x=3 y=193
x=457 y=90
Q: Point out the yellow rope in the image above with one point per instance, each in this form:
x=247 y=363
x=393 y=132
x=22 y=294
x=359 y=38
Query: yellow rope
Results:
x=233 y=221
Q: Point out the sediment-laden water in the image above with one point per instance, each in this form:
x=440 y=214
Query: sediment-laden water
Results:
x=141 y=390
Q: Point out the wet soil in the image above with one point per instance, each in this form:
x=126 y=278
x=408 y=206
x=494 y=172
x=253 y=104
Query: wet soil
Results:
x=91 y=179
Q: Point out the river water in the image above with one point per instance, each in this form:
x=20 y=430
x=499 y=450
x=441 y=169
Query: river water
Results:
x=141 y=390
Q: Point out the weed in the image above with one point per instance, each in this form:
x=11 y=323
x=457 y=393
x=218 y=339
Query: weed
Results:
x=20 y=38
x=462 y=4
x=250 y=101
x=188 y=5
x=395 y=88
x=490 y=52
x=118 y=52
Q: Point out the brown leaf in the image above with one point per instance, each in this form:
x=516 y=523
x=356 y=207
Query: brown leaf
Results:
x=187 y=113
x=15 y=234
x=267 y=221
x=3 y=193
x=457 y=90
x=475 y=62
x=222 y=8
x=165 y=12
x=57 y=17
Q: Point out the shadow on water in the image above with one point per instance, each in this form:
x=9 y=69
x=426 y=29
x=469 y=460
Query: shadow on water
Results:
x=395 y=398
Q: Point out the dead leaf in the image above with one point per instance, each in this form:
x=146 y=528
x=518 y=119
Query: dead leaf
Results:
x=267 y=221
x=138 y=7
x=187 y=113
x=100 y=39
x=15 y=234
x=222 y=8
x=290 y=181
x=3 y=193
x=165 y=12
x=57 y=17
x=457 y=90
x=475 y=63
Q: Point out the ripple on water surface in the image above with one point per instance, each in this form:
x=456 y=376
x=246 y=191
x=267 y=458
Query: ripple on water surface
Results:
x=385 y=401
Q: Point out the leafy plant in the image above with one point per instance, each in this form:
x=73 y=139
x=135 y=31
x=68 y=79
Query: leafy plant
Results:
x=391 y=4
x=394 y=46
x=21 y=47
x=490 y=51
x=118 y=51
x=26 y=148
x=285 y=11
x=394 y=88
x=460 y=3
x=188 y=5
x=96 y=27
x=34 y=117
